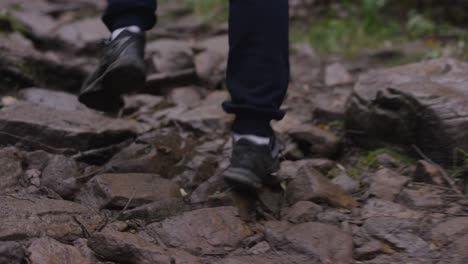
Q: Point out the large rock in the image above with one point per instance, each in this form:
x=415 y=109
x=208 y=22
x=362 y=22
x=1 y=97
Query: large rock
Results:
x=114 y=190
x=301 y=212
x=423 y=197
x=210 y=63
x=424 y=104
x=22 y=69
x=156 y=152
x=209 y=230
x=170 y=55
x=400 y=233
x=386 y=184
x=156 y=211
x=322 y=243
x=83 y=34
x=208 y=117
x=288 y=169
x=24 y=217
x=57 y=172
x=10 y=170
x=133 y=249
x=46 y=250
x=337 y=74
x=377 y=207
x=187 y=96
x=449 y=230
x=39 y=127
x=53 y=99
x=310 y=185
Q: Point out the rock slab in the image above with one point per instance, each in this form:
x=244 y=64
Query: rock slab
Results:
x=24 y=217
x=114 y=190
x=53 y=130
x=208 y=230
x=422 y=104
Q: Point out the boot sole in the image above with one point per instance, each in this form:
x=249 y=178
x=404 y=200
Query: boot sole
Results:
x=116 y=81
x=242 y=179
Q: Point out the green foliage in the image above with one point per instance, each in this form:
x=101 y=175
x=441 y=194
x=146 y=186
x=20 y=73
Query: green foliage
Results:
x=419 y=25
x=209 y=10
x=371 y=158
x=363 y=25
x=369 y=161
x=366 y=24
x=370 y=10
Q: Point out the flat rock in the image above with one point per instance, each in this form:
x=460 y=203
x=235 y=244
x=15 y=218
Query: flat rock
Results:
x=11 y=170
x=156 y=211
x=37 y=23
x=252 y=260
x=39 y=127
x=424 y=104
x=331 y=105
x=11 y=252
x=377 y=207
x=347 y=183
x=447 y=231
x=310 y=185
x=185 y=96
x=31 y=217
x=46 y=250
x=424 y=197
x=210 y=62
x=57 y=172
x=386 y=184
x=130 y=248
x=53 y=99
x=315 y=141
x=457 y=252
x=301 y=212
x=208 y=117
x=83 y=34
x=337 y=74
x=16 y=42
x=31 y=68
x=288 y=169
x=322 y=243
x=400 y=233
x=170 y=55
x=114 y=190
x=156 y=152
x=209 y=230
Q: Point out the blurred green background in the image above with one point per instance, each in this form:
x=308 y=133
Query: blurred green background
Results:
x=346 y=27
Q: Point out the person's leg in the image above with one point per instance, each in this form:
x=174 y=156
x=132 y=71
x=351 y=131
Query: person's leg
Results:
x=257 y=79
x=124 y=13
x=122 y=67
x=258 y=65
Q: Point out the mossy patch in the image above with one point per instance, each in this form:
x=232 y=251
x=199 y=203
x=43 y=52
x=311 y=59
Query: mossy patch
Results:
x=369 y=160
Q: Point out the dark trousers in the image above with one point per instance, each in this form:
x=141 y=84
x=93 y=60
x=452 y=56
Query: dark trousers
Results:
x=258 y=64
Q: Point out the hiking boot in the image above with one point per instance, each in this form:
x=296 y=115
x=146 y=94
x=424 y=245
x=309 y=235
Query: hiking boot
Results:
x=121 y=70
x=252 y=164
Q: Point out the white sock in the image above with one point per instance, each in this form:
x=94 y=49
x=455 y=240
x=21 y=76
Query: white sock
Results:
x=134 y=29
x=252 y=138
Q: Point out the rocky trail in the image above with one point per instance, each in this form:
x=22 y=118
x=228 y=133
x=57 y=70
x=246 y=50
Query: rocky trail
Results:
x=373 y=172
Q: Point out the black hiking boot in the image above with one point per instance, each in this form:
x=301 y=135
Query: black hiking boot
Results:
x=252 y=164
x=121 y=70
